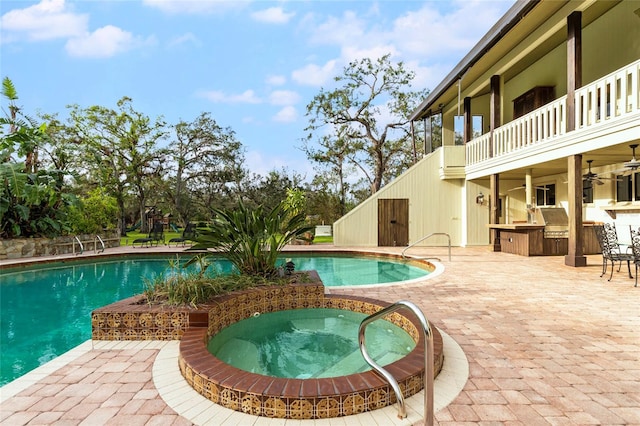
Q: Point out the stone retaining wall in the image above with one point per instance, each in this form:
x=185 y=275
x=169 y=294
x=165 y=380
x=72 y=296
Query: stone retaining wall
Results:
x=17 y=248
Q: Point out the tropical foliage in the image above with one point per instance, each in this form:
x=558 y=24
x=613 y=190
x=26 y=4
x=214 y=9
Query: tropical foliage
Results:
x=32 y=201
x=252 y=239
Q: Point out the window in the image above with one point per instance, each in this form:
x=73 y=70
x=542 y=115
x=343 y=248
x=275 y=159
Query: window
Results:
x=546 y=195
x=531 y=100
x=628 y=187
x=458 y=128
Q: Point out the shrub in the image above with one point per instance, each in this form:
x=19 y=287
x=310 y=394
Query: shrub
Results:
x=178 y=287
x=93 y=214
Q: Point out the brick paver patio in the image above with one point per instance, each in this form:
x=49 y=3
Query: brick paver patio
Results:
x=545 y=343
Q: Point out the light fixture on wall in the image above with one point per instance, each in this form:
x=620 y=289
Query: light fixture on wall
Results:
x=480 y=198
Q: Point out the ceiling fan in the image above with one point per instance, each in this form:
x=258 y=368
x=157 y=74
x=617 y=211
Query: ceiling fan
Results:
x=592 y=177
x=633 y=164
x=629 y=166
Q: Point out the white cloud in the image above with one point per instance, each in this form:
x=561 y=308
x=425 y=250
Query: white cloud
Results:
x=276 y=80
x=447 y=36
x=313 y=75
x=46 y=20
x=284 y=97
x=104 y=42
x=193 y=7
x=185 y=39
x=272 y=15
x=246 y=97
x=341 y=31
x=257 y=162
x=287 y=114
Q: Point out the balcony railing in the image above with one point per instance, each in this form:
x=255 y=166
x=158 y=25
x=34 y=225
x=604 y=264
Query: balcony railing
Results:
x=610 y=98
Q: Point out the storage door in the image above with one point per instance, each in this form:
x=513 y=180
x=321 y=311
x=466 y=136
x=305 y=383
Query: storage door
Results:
x=393 y=222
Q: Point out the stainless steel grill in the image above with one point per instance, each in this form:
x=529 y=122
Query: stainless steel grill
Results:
x=555 y=221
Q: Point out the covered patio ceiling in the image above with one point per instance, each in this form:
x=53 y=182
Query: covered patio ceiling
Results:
x=612 y=155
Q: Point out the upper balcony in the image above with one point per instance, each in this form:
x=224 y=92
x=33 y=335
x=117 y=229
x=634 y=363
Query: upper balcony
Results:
x=609 y=105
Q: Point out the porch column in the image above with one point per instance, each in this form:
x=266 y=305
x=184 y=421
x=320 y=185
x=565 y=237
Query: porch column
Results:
x=575 y=256
x=494 y=179
x=494 y=210
x=574 y=65
x=468 y=123
x=528 y=196
x=494 y=109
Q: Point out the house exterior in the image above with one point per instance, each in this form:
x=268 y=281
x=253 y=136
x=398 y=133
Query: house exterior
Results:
x=542 y=113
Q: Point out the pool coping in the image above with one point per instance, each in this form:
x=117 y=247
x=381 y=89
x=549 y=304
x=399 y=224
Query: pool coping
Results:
x=186 y=402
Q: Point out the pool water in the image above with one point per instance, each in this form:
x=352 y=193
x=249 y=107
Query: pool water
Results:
x=46 y=310
x=308 y=343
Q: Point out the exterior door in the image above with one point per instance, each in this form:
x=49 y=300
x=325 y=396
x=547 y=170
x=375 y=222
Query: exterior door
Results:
x=393 y=222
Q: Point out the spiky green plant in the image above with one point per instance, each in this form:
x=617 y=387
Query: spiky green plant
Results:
x=252 y=239
x=180 y=287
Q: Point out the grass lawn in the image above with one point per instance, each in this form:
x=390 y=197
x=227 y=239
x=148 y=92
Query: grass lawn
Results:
x=126 y=241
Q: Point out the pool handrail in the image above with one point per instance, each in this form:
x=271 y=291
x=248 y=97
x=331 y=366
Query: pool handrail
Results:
x=424 y=238
x=95 y=246
x=81 y=246
x=428 y=358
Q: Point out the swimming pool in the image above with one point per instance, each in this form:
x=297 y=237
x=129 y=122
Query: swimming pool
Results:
x=46 y=310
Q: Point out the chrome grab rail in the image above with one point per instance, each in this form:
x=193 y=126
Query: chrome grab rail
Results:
x=80 y=243
x=428 y=358
x=424 y=238
x=95 y=246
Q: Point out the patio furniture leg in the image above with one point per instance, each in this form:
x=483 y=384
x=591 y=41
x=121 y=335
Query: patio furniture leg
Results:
x=613 y=266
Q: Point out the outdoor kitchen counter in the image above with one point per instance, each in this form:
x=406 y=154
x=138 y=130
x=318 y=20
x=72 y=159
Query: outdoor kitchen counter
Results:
x=518 y=226
x=527 y=239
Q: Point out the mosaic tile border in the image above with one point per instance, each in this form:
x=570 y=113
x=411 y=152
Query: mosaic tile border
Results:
x=297 y=398
x=131 y=319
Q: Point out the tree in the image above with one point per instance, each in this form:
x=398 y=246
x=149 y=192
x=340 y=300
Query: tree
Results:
x=332 y=158
x=368 y=115
x=206 y=160
x=272 y=189
x=121 y=152
x=325 y=204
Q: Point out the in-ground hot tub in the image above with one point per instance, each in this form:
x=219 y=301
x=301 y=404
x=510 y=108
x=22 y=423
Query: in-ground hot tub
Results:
x=296 y=398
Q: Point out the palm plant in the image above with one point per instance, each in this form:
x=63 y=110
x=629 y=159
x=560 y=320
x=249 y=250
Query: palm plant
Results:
x=252 y=239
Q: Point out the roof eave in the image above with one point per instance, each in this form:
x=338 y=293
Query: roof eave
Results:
x=509 y=20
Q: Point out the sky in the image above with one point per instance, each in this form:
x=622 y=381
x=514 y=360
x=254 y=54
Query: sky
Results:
x=253 y=65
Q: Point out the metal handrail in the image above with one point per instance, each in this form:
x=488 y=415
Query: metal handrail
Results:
x=424 y=238
x=428 y=358
x=101 y=243
x=80 y=243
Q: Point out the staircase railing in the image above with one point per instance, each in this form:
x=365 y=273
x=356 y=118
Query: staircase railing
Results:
x=427 y=237
x=428 y=358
